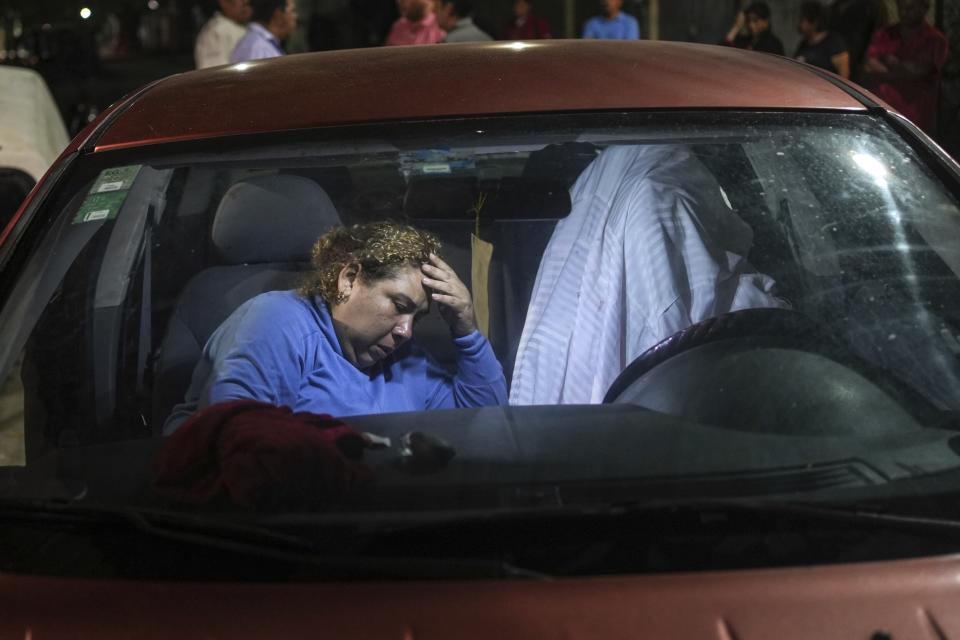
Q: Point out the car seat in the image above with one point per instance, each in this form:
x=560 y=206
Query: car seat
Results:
x=263 y=232
x=517 y=217
x=522 y=229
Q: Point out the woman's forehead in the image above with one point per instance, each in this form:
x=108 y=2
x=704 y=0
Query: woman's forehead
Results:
x=408 y=281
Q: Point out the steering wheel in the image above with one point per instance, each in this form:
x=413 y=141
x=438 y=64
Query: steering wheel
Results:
x=769 y=370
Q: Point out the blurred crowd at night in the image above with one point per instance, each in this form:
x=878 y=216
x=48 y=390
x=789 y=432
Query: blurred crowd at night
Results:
x=91 y=52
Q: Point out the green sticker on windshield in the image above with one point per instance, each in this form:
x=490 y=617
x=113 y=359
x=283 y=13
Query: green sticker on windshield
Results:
x=116 y=179
x=107 y=195
x=100 y=206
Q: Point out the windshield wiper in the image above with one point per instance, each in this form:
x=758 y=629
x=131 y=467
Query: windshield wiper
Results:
x=153 y=521
x=855 y=515
x=668 y=536
x=859 y=516
x=306 y=555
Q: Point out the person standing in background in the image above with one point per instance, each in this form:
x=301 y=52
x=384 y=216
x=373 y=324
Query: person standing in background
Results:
x=820 y=47
x=752 y=31
x=456 y=17
x=904 y=62
x=221 y=33
x=417 y=24
x=614 y=24
x=525 y=25
x=855 y=21
x=272 y=21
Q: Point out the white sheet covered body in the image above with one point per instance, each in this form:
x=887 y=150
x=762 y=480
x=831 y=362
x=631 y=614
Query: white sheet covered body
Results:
x=649 y=248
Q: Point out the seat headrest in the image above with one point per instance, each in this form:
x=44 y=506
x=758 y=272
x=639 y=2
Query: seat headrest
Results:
x=441 y=197
x=275 y=218
x=564 y=161
x=507 y=199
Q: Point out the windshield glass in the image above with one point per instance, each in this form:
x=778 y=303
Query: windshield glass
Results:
x=621 y=307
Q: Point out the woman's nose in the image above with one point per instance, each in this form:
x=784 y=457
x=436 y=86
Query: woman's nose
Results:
x=404 y=329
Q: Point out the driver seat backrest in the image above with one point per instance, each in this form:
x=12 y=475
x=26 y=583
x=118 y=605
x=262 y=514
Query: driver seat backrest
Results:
x=263 y=232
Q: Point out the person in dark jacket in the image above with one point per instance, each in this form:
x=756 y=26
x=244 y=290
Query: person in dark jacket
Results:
x=752 y=30
x=855 y=21
x=525 y=25
x=818 y=46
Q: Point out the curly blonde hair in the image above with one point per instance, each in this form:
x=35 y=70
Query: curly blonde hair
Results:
x=380 y=248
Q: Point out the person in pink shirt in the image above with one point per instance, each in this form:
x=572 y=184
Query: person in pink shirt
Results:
x=904 y=62
x=417 y=24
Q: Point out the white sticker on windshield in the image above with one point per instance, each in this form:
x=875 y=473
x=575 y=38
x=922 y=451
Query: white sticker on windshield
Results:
x=96 y=215
x=436 y=162
x=116 y=179
x=110 y=186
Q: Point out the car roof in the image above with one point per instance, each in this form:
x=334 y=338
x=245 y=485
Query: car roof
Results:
x=424 y=82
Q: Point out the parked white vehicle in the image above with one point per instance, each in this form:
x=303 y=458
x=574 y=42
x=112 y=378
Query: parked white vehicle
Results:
x=32 y=135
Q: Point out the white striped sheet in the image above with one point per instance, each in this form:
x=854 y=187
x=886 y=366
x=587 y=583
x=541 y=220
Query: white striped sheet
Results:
x=649 y=248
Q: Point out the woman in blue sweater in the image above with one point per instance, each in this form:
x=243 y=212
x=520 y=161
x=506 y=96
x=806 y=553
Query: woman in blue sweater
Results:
x=342 y=343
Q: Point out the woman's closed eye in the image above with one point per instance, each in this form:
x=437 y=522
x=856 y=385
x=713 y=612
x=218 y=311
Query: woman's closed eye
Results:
x=405 y=309
x=409 y=309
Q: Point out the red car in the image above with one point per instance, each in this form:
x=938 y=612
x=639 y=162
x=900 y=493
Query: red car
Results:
x=723 y=288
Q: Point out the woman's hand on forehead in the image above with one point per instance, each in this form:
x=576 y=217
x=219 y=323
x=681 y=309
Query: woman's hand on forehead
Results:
x=451 y=295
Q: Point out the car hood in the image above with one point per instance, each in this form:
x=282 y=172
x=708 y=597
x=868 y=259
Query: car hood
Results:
x=909 y=599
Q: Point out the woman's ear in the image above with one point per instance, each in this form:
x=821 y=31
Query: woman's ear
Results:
x=347 y=279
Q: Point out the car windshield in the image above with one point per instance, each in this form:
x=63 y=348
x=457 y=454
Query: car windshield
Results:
x=685 y=306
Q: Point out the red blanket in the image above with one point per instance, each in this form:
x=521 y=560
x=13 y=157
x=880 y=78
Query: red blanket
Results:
x=260 y=455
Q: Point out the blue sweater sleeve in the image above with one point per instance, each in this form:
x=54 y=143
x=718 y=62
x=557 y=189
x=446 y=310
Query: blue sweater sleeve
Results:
x=479 y=381
x=255 y=355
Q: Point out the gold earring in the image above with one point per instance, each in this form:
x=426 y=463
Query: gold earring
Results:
x=342 y=297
